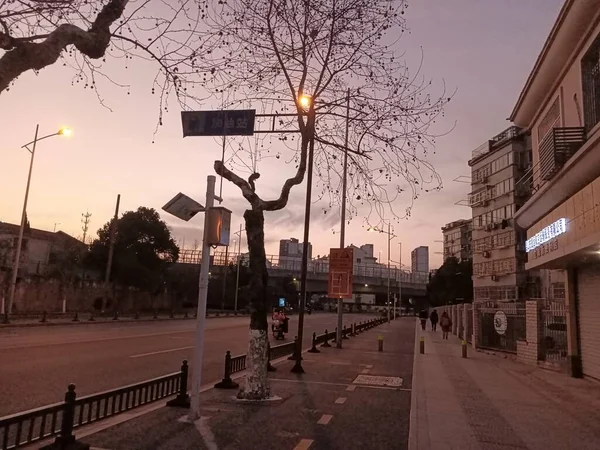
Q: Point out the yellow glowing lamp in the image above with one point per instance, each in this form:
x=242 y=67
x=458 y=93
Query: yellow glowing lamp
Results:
x=65 y=131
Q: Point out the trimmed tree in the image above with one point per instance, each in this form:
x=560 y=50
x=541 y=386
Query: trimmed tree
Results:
x=327 y=59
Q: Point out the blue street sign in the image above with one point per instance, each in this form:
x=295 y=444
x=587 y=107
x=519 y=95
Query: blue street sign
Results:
x=235 y=122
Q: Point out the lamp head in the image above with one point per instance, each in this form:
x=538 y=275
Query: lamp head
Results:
x=65 y=131
x=305 y=101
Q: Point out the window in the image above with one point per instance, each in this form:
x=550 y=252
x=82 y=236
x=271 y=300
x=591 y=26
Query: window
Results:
x=590 y=74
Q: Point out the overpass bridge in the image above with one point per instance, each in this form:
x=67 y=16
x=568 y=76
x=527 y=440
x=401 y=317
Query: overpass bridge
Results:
x=367 y=278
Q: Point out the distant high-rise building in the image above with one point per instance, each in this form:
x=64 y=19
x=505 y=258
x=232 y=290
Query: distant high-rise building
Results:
x=290 y=253
x=457 y=239
x=420 y=259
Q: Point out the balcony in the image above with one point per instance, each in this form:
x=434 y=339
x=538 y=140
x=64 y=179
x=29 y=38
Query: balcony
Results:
x=481 y=198
x=493 y=143
x=557 y=148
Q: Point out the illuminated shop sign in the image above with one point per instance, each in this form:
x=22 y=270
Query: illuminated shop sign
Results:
x=547 y=234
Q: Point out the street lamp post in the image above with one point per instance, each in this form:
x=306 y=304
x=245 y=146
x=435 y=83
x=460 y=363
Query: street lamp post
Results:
x=340 y=303
x=307 y=104
x=15 y=269
x=390 y=237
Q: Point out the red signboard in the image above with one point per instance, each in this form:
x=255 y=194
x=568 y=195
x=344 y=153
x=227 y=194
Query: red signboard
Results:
x=341 y=265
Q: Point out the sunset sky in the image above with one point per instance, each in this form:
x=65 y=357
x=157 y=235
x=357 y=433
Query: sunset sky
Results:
x=483 y=48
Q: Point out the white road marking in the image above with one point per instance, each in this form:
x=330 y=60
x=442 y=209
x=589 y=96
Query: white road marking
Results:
x=162 y=351
x=304 y=444
x=206 y=433
x=204 y=430
x=325 y=419
x=369 y=366
x=341 y=401
x=340 y=363
x=351 y=388
x=366 y=370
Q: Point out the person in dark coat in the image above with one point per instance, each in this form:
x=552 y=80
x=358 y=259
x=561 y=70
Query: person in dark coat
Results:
x=423 y=316
x=434 y=319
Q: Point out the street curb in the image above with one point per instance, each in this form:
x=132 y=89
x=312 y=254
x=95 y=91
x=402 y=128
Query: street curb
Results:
x=413 y=438
x=121 y=320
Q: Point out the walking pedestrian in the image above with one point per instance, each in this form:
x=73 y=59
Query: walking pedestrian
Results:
x=445 y=323
x=434 y=319
x=423 y=316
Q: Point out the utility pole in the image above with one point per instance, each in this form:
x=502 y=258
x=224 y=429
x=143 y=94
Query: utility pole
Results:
x=111 y=251
x=340 y=302
x=86 y=224
x=237 y=275
x=388 y=278
x=225 y=270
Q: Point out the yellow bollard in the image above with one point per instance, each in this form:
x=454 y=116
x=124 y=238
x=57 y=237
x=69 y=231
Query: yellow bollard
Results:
x=464 y=348
x=380 y=342
x=422 y=345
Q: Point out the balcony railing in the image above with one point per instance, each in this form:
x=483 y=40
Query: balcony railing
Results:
x=490 y=145
x=557 y=148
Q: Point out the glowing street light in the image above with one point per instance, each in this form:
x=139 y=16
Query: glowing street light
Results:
x=305 y=101
x=15 y=269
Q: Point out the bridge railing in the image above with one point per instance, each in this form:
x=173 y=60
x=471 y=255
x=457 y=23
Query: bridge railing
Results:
x=315 y=266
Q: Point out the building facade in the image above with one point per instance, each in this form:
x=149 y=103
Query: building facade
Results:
x=419 y=258
x=560 y=105
x=40 y=249
x=497 y=243
x=290 y=253
x=457 y=237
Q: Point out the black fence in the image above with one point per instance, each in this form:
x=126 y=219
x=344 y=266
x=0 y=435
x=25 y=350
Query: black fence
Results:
x=553 y=343
x=500 y=327
x=234 y=364
x=60 y=419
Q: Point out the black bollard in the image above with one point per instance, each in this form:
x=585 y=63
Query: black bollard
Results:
x=183 y=399
x=76 y=317
x=116 y=316
x=326 y=344
x=314 y=348
x=43 y=319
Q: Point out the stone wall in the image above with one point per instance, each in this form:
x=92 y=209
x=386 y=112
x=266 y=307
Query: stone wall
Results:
x=36 y=295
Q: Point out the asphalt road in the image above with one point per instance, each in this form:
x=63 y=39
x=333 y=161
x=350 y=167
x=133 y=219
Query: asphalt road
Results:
x=37 y=364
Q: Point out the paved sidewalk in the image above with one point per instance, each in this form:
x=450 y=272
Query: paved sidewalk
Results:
x=327 y=408
x=488 y=402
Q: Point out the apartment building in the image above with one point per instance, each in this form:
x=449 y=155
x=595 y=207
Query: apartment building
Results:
x=497 y=243
x=290 y=253
x=560 y=106
x=419 y=259
x=457 y=239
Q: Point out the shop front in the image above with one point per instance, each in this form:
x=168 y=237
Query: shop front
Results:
x=569 y=238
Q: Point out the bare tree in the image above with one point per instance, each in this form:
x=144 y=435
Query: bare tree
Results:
x=82 y=34
x=300 y=57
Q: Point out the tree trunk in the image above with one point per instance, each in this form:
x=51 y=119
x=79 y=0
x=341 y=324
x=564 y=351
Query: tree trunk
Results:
x=256 y=386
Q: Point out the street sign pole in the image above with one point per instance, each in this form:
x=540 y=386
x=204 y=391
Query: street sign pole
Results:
x=194 y=413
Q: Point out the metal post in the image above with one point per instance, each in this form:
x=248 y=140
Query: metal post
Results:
x=226 y=268
x=388 y=274
x=400 y=278
x=194 y=413
x=237 y=276
x=15 y=272
x=111 y=252
x=340 y=308
x=303 y=275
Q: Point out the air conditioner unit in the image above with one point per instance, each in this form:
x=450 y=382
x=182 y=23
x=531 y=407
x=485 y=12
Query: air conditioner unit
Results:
x=495 y=226
x=486 y=254
x=494 y=277
x=488 y=227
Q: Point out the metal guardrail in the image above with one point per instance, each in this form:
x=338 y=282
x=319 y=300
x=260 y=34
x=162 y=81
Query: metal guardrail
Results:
x=60 y=419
